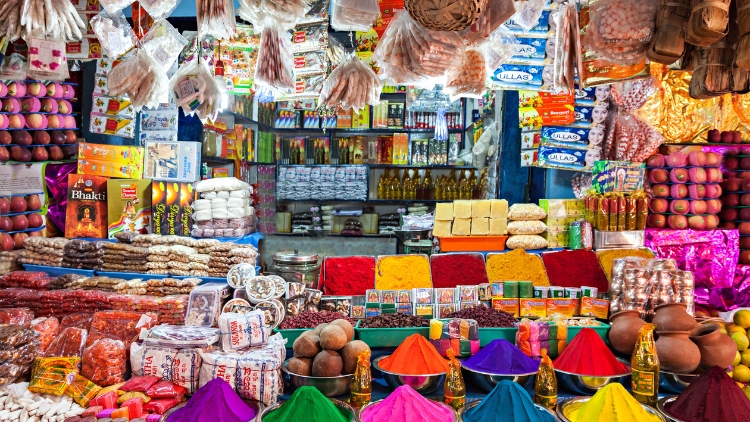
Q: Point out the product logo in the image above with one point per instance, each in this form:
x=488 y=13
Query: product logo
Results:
x=88 y=183
x=562 y=157
x=514 y=76
x=579 y=115
x=129 y=193
x=565 y=136
x=525 y=50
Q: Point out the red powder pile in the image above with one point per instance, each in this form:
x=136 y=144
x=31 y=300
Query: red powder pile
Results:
x=348 y=276
x=451 y=270
x=713 y=397
x=575 y=269
x=588 y=355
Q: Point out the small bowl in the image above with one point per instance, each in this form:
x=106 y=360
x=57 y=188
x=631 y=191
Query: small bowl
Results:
x=456 y=417
x=671 y=382
x=589 y=385
x=488 y=381
x=422 y=384
x=476 y=402
x=565 y=403
x=328 y=386
x=344 y=408
x=662 y=403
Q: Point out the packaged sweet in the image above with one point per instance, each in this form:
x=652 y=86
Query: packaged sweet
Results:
x=134 y=405
x=467 y=79
x=352 y=85
x=182 y=336
x=12 y=336
x=114 y=33
x=120 y=325
x=70 y=342
x=47 y=330
x=142 y=79
x=53 y=375
x=354 y=15
x=139 y=383
x=204 y=306
x=18 y=316
x=216 y=18
x=82 y=390
x=166 y=390
x=104 y=361
x=239 y=331
x=124 y=397
x=177 y=365
x=275 y=68
x=159 y=406
x=280 y=13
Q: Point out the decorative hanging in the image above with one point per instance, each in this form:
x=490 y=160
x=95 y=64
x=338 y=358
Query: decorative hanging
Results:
x=445 y=15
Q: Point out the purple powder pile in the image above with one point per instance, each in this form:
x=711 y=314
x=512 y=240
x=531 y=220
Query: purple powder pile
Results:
x=215 y=401
x=502 y=358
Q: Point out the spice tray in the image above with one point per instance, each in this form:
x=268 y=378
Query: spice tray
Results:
x=388 y=337
x=573 y=330
x=131 y=276
x=57 y=271
x=488 y=334
x=473 y=243
x=291 y=334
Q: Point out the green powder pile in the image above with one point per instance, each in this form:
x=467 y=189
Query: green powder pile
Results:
x=309 y=405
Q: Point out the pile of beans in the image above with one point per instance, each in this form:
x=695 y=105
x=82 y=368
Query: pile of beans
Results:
x=394 y=321
x=486 y=317
x=312 y=320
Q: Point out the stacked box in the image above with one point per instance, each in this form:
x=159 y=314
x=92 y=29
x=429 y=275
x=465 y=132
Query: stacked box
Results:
x=123 y=162
x=128 y=206
x=560 y=213
x=461 y=335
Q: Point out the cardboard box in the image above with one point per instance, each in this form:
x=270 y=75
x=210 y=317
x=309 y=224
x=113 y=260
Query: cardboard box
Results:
x=173 y=161
x=508 y=305
x=566 y=307
x=113 y=153
x=86 y=210
x=165 y=201
x=187 y=196
x=400 y=148
x=598 y=308
x=128 y=206
x=109 y=169
x=618 y=176
x=361 y=119
x=533 y=307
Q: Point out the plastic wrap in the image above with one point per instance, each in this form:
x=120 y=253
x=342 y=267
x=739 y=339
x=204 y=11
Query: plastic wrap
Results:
x=275 y=65
x=77 y=320
x=239 y=331
x=161 y=405
x=620 y=30
x=47 y=330
x=181 y=336
x=501 y=47
x=104 y=362
x=70 y=342
x=139 y=383
x=53 y=375
x=114 y=33
x=195 y=90
x=142 y=79
x=82 y=390
x=631 y=139
x=18 y=316
x=47 y=60
x=120 y=325
x=216 y=18
x=528 y=13
x=281 y=13
x=164 y=43
x=166 y=390
x=114 y=6
x=467 y=79
x=14 y=68
x=159 y=9
x=352 y=85
x=354 y=15
x=179 y=366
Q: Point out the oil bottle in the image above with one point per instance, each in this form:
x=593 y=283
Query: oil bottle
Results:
x=361 y=387
x=645 y=364
x=545 y=388
x=454 y=388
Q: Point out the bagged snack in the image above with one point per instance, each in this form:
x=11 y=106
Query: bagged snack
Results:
x=354 y=15
x=47 y=330
x=179 y=366
x=104 y=362
x=275 y=65
x=53 y=375
x=216 y=18
x=467 y=79
x=70 y=342
x=239 y=331
x=352 y=85
x=114 y=33
x=82 y=390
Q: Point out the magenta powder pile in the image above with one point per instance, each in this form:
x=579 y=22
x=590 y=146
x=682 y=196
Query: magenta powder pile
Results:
x=215 y=401
x=453 y=269
x=406 y=405
x=348 y=276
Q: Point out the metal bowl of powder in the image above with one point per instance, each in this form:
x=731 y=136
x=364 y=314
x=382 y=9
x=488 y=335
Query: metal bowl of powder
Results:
x=364 y=408
x=671 y=382
x=661 y=404
x=588 y=384
x=569 y=402
x=422 y=384
x=328 y=386
x=344 y=408
x=539 y=407
x=488 y=381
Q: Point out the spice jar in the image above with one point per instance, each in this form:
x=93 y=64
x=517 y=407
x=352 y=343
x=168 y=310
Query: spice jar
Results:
x=296 y=267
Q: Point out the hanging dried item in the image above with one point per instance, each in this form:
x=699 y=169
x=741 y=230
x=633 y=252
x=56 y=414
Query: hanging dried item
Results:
x=712 y=74
x=354 y=15
x=708 y=22
x=49 y=19
x=467 y=79
x=216 y=18
x=284 y=13
x=275 y=68
x=141 y=78
x=441 y=15
x=668 y=44
x=631 y=139
x=742 y=58
x=352 y=85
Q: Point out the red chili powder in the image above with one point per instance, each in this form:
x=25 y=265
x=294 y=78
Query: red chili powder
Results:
x=451 y=270
x=713 y=397
x=348 y=275
x=588 y=355
x=575 y=269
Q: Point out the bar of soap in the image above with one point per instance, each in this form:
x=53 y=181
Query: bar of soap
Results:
x=480 y=226
x=462 y=208
x=462 y=226
x=441 y=229
x=480 y=209
x=498 y=226
x=498 y=208
x=444 y=211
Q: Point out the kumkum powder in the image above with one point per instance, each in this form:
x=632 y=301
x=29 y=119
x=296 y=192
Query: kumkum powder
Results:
x=507 y=402
x=402 y=272
x=713 y=397
x=406 y=405
x=415 y=356
x=451 y=270
x=612 y=403
x=349 y=275
x=588 y=355
x=517 y=265
x=575 y=269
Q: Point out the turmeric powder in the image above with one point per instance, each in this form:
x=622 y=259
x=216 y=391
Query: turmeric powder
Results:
x=608 y=256
x=517 y=265
x=401 y=272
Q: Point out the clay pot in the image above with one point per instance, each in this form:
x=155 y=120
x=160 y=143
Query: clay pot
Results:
x=676 y=352
x=716 y=349
x=673 y=317
x=624 y=331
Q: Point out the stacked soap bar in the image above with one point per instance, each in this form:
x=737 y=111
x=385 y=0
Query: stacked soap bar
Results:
x=471 y=218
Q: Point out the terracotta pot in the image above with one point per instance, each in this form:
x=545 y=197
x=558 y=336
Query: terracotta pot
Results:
x=673 y=317
x=716 y=349
x=624 y=331
x=676 y=352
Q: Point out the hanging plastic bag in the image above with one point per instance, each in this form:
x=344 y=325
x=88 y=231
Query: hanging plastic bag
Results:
x=163 y=43
x=631 y=139
x=159 y=9
x=496 y=13
x=620 y=30
x=501 y=47
x=142 y=79
x=354 y=15
x=467 y=78
x=114 y=33
x=528 y=13
x=281 y=13
x=195 y=90
x=14 y=68
x=47 y=60
x=275 y=65
x=114 y=6
x=216 y=18
x=352 y=85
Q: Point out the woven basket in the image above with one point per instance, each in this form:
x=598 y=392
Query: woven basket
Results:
x=668 y=44
x=708 y=22
x=743 y=17
x=713 y=72
x=451 y=15
x=742 y=54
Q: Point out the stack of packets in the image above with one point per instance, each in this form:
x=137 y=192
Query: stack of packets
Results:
x=122 y=162
x=309 y=44
x=58 y=376
x=160 y=124
x=110 y=115
x=523 y=299
x=471 y=218
x=533 y=337
x=461 y=335
x=424 y=302
x=560 y=213
x=239 y=331
x=617 y=211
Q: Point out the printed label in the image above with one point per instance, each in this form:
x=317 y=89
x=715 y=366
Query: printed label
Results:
x=643 y=382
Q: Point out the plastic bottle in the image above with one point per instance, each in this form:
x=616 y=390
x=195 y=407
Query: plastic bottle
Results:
x=361 y=387
x=645 y=367
x=454 y=388
x=545 y=388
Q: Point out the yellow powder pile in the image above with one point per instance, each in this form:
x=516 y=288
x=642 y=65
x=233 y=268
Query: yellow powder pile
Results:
x=612 y=403
x=607 y=257
x=517 y=265
x=403 y=272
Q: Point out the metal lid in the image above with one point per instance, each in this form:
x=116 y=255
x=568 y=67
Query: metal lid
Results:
x=295 y=257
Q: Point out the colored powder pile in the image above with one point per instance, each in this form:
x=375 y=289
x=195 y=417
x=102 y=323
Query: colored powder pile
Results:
x=575 y=269
x=348 y=276
x=501 y=357
x=713 y=397
x=517 y=265
x=451 y=270
x=307 y=404
x=215 y=401
x=588 y=355
x=403 y=272
x=607 y=257
x=415 y=356
x=406 y=405
x=507 y=402
x=612 y=403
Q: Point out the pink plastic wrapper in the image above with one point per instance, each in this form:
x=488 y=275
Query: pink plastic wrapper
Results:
x=730 y=298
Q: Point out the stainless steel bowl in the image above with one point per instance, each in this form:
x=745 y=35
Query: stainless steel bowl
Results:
x=488 y=381
x=368 y=405
x=670 y=382
x=328 y=386
x=565 y=403
x=660 y=406
x=476 y=402
x=344 y=408
x=422 y=384
x=589 y=385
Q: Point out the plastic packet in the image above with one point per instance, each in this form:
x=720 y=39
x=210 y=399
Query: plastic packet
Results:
x=182 y=336
x=495 y=13
x=104 y=362
x=47 y=60
x=53 y=375
x=352 y=85
x=239 y=331
x=166 y=390
x=161 y=405
x=18 y=316
x=47 y=330
x=275 y=65
x=188 y=86
x=467 y=79
x=82 y=390
x=69 y=342
x=354 y=15
x=120 y=325
x=620 y=30
x=114 y=6
x=14 y=68
x=528 y=13
x=132 y=395
x=279 y=13
x=77 y=320
x=216 y=18
x=501 y=47
x=164 y=43
x=142 y=79
x=141 y=383
x=159 y=9
x=114 y=33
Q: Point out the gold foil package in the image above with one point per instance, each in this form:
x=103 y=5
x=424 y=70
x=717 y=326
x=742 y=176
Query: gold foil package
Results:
x=617 y=211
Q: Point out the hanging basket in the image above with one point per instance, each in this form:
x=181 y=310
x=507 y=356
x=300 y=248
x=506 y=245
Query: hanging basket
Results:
x=448 y=15
x=713 y=72
x=708 y=22
x=668 y=44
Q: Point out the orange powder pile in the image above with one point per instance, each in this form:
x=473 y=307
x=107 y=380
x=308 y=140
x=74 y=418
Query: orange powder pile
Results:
x=415 y=356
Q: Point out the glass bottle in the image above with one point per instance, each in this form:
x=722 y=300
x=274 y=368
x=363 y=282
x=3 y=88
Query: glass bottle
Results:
x=406 y=185
x=645 y=364
x=454 y=388
x=395 y=186
x=361 y=387
x=420 y=187
x=439 y=188
x=429 y=188
x=381 y=186
x=545 y=388
x=387 y=184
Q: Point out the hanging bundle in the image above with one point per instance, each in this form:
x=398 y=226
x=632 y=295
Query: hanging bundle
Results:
x=742 y=59
x=712 y=74
x=668 y=44
x=275 y=68
x=620 y=30
x=467 y=79
x=216 y=18
x=142 y=79
x=284 y=13
x=441 y=15
x=631 y=139
x=352 y=85
x=708 y=22
x=495 y=13
x=354 y=15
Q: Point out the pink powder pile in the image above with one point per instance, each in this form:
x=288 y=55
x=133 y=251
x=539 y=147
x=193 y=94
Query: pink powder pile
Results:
x=406 y=405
